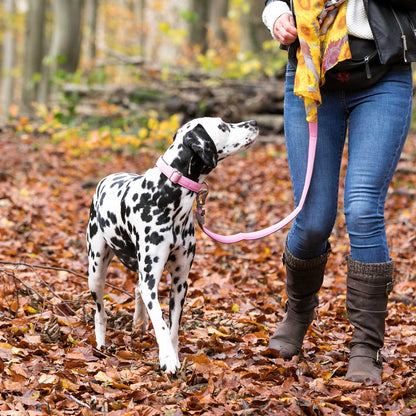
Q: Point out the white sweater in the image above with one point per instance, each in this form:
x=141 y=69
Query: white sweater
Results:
x=357 y=22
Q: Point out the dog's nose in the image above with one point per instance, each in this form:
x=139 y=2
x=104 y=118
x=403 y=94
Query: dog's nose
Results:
x=253 y=123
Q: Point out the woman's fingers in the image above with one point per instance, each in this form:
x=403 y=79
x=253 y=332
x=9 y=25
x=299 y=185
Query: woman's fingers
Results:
x=284 y=29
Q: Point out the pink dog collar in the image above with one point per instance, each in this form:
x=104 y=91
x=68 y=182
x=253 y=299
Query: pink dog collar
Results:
x=176 y=177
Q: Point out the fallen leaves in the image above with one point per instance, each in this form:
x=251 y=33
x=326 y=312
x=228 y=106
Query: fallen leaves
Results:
x=48 y=360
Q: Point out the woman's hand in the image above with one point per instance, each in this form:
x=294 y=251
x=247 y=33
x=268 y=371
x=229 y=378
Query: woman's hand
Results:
x=284 y=29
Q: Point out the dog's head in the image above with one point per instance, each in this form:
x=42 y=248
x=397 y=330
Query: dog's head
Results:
x=204 y=142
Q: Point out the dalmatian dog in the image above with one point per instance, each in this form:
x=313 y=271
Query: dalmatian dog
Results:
x=147 y=222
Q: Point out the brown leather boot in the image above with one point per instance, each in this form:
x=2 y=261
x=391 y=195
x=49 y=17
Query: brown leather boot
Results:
x=303 y=280
x=368 y=287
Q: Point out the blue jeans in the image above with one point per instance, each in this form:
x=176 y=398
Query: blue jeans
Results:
x=377 y=120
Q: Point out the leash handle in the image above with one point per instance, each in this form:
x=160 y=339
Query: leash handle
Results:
x=234 y=238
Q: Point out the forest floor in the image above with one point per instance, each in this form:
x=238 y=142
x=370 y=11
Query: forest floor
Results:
x=48 y=363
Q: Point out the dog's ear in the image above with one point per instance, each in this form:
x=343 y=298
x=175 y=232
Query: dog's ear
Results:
x=200 y=142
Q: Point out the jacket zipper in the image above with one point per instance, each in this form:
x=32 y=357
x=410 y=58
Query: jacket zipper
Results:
x=366 y=60
x=367 y=67
x=403 y=36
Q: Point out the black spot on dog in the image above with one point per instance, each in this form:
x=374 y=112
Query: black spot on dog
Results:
x=117 y=242
x=146 y=214
x=224 y=127
x=150 y=305
x=102 y=198
x=150 y=185
x=123 y=208
x=153 y=295
x=94 y=296
x=151 y=282
x=99 y=307
x=154 y=238
x=103 y=222
x=112 y=217
x=163 y=218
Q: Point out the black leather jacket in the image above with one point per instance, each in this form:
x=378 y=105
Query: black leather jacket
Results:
x=393 y=23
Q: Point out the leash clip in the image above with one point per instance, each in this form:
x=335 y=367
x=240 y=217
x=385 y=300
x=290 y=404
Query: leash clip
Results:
x=200 y=203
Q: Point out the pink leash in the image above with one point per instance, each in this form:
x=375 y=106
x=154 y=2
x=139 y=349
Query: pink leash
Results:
x=229 y=239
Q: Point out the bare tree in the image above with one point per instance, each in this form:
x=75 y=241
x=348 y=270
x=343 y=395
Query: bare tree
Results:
x=138 y=9
x=65 y=46
x=198 y=28
x=217 y=13
x=90 y=32
x=32 y=60
x=8 y=59
x=254 y=32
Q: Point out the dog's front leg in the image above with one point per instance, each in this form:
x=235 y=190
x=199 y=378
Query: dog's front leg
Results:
x=179 y=271
x=150 y=273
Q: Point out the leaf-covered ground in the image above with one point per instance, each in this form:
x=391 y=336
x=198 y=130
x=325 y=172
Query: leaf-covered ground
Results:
x=48 y=364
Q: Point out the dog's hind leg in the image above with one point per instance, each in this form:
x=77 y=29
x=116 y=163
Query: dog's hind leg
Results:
x=140 y=314
x=99 y=257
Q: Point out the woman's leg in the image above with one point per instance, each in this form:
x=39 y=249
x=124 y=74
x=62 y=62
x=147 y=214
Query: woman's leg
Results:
x=378 y=127
x=307 y=248
x=308 y=237
x=379 y=123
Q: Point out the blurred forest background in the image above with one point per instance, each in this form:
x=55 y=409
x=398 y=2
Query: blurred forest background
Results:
x=72 y=64
x=92 y=87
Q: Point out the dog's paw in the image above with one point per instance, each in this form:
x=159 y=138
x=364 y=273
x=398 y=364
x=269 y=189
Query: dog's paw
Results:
x=100 y=340
x=142 y=326
x=169 y=364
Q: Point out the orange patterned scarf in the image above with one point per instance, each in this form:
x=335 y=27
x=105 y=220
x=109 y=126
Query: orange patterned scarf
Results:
x=321 y=47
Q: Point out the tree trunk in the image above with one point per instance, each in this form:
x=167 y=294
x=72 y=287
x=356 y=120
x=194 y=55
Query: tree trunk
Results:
x=138 y=9
x=91 y=12
x=198 y=29
x=253 y=33
x=217 y=13
x=66 y=38
x=32 y=61
x=65 y=47
x=8 y=59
